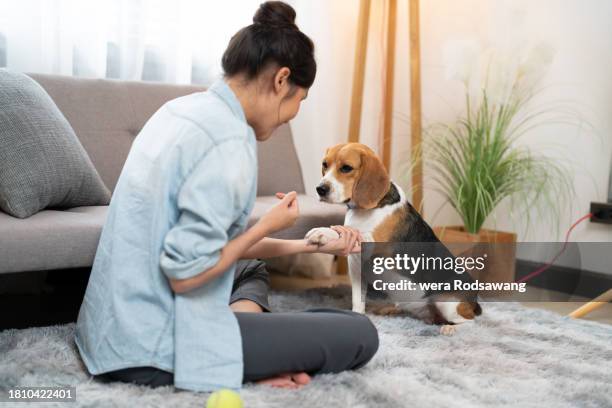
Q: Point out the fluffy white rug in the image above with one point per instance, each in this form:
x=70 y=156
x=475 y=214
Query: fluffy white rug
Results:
x=511 y=357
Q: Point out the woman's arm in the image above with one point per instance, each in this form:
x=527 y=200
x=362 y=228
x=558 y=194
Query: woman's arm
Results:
x=250 y=245
x=281 y=216
x=349 y=242
x=254 y=244
x=229 y=254
x=271 y=247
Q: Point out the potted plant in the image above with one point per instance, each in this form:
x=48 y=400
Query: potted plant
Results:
x=479 y=162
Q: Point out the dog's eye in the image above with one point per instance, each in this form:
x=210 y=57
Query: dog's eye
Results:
x=346 y=169
x=324 y=165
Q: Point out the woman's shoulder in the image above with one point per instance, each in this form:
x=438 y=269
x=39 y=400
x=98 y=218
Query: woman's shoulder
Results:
x=187 y=129
x=208 y=114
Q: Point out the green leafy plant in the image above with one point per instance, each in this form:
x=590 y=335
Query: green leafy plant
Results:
x=479 y=162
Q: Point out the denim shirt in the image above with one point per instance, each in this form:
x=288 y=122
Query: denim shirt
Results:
x=186 y=189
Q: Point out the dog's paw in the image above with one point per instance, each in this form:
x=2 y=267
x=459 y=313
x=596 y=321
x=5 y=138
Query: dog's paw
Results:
x=448 y=330
x=321 y=236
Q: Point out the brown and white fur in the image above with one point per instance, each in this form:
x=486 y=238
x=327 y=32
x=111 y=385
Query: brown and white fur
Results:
x=378 y=208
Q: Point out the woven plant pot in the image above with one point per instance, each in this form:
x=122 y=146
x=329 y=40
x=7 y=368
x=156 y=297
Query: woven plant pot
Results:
x=499 y=247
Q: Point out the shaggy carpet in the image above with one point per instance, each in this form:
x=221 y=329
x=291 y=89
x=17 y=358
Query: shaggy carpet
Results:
x=511 y=357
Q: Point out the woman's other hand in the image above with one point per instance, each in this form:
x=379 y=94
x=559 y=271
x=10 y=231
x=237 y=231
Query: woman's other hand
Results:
x=282 y=215
x=348 y=243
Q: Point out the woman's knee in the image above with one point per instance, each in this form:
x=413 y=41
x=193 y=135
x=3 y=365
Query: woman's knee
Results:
x=359 y=338
x=247 y=269
x=368 y=336
x=354 y=329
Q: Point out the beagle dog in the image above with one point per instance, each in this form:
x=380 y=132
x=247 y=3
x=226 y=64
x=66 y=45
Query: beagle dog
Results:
x=353 y=175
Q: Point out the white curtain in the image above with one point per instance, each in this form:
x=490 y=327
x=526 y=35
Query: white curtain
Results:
x=181 y=41
x=178 y=41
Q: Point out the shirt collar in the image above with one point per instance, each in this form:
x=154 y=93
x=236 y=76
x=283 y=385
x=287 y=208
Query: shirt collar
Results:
x=223 y=91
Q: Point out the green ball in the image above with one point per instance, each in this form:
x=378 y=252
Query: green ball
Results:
x=224 y=399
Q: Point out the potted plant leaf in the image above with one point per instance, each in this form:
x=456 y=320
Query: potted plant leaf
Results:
x=479 y=162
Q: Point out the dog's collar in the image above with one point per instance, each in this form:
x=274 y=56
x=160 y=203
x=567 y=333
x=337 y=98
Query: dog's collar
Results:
x=392 y=196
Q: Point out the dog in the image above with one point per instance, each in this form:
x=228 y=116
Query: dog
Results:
x=352 y=174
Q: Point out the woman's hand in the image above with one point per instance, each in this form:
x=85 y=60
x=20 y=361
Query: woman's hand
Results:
x=348 y=243
x=282 y=215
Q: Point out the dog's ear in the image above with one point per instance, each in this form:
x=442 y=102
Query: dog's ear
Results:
x=372 y=184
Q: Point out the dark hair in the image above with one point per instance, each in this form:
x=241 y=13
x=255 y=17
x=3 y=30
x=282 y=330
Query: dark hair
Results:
x=273 y=38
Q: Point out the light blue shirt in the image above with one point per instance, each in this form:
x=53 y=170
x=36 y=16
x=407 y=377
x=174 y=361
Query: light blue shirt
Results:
x=187 y=188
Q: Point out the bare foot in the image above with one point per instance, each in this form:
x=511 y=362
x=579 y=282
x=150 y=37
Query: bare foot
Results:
x=291 y=381
x=245 y=306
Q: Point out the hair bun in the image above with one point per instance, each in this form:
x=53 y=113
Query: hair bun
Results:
x=275 y=14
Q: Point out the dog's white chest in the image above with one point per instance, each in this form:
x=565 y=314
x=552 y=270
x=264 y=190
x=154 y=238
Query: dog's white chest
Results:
x=366 y=221
x=363 y=220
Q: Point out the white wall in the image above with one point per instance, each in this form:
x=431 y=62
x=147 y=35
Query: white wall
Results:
x=580 y=33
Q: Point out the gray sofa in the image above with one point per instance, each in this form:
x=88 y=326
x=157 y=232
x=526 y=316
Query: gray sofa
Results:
x=106 y=116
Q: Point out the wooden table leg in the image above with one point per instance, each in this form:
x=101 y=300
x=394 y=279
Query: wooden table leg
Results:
x=359 y=66
x=596 y=303
x=416 y=126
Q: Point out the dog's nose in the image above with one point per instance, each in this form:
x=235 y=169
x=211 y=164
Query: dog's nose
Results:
x=322 y=189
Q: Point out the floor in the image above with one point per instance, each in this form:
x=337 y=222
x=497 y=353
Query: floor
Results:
x=601 y=315
x=513 y=357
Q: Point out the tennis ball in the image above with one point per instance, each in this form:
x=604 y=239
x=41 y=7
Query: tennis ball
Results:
x=224 y=399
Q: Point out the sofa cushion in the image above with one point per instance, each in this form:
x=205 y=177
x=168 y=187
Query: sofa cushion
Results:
x=54 y=239
x=51 y=239
x=42 y=163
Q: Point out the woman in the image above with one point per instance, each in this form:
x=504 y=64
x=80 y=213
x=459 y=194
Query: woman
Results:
x=156 y=308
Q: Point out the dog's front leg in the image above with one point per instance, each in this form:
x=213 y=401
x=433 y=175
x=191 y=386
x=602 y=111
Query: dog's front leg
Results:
x=358 y=290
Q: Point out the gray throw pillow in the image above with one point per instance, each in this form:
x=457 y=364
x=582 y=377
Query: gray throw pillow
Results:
x=42 y=162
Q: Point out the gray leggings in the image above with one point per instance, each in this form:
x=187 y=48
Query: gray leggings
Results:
x=315 y=341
